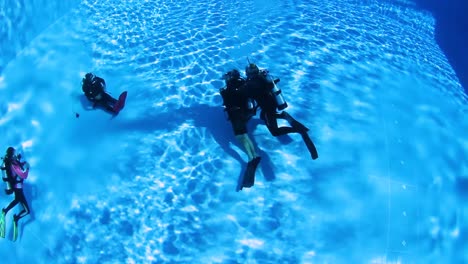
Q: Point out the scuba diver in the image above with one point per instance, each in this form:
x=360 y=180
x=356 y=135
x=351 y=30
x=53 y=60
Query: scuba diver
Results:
x=6 y=167
x=16 y=174
x=262 y=88
x=240 y=109
x=94 y=88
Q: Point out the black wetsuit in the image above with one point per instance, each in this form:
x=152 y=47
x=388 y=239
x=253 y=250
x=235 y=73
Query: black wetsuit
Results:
x=236 y=104
x=94 y=90
x=259 y=88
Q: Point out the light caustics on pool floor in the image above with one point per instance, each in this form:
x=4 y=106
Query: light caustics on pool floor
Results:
x=343 y=69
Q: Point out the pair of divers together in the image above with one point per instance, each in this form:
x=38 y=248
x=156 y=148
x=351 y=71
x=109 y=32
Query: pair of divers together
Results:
x=241 y=98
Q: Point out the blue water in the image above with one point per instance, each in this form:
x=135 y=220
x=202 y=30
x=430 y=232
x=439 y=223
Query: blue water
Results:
x=157 y=183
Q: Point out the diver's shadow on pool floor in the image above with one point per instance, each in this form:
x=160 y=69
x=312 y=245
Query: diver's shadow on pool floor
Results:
x=212 y=118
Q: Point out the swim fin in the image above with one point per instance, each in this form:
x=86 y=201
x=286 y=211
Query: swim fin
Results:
x=15 y=229
x=249 y=178
x=240 y=181
x=2 y=224
x=298 y=126
x=120 y=104
x=310 y=145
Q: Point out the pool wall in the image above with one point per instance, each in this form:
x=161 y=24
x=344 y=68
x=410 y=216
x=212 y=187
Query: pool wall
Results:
x=451 y=33
x=22 y=20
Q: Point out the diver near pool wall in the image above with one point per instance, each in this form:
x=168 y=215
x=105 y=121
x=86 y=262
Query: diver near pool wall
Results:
x=94 y=88
x=240 y=109
x=262 y=88
x=16 y=174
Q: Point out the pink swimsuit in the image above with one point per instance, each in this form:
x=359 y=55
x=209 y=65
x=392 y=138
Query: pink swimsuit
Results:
x=18 y=171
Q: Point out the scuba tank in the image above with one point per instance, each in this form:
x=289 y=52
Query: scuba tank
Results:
x=5 y=178
x=280 y=102
x=277 y=94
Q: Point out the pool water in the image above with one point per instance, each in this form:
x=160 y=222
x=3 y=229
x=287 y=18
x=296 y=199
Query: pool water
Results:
x=156 y=184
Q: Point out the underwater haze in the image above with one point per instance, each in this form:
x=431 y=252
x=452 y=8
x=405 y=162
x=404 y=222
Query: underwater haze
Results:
x=157 y=183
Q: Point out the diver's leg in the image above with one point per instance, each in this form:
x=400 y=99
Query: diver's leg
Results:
x=248 y=145
x=239 y=125
x=11 y=205
x=107 y=102
x=109 y=107
x=24 y=203
x=108 y=98
x=272 y=125
x=251 y=147
x=248 y=178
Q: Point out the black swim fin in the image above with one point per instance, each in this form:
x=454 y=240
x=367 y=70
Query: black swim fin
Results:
x=310 y=145
x=240 y=181
x=249 y=178
x=298 y=126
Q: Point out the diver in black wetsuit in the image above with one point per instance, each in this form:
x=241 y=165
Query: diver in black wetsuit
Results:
x=94 y=88
x=240 y=109
x=262 y=88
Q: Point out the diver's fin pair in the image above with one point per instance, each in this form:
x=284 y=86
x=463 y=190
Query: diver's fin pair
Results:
x=248 y=179
x=3 y=226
